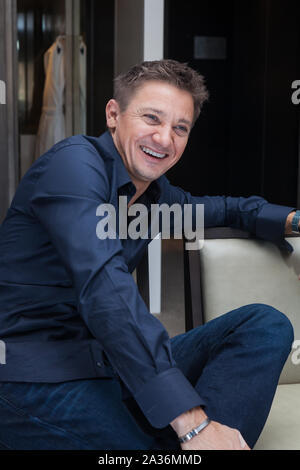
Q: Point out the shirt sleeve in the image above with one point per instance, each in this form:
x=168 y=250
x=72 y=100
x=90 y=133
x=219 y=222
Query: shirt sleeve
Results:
x=253 y=214
x=65 y=200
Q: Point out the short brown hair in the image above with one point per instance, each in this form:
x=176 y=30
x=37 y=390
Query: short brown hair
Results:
x=175 y=73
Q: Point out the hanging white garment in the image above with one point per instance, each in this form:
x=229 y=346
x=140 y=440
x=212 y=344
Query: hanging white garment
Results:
x=82 y=84
x=52 y=122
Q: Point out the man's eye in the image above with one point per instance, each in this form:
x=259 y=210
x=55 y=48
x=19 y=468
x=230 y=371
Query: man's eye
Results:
x=181 y=130
x=151 y=118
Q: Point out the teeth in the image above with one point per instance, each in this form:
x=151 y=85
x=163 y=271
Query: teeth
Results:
x=152 y=153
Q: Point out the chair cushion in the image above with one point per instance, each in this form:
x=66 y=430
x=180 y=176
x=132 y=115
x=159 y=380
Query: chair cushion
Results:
x=237 y=272
x=282 y=430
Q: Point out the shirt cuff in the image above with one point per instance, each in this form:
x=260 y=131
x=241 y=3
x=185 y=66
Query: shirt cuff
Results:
x=270 y=224
x=166 y=396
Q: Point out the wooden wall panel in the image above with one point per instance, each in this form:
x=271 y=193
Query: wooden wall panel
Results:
x=8 y=111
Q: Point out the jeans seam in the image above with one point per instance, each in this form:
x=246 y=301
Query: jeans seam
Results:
x=43 y=423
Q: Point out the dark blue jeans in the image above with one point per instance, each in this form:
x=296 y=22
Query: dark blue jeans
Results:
x=233 y=361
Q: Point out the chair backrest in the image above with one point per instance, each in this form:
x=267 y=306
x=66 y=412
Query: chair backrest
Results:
x=236 y=272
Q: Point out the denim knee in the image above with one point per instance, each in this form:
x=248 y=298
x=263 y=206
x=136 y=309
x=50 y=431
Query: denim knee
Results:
x=276 y=324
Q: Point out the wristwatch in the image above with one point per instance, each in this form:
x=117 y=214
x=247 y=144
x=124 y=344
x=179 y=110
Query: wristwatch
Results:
x=295 y=222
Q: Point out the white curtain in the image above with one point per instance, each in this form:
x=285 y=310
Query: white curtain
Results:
x=52 y=122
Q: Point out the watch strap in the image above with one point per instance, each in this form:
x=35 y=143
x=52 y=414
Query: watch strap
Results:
x=295 y=222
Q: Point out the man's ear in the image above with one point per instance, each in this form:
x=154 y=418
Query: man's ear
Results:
x=112 y=112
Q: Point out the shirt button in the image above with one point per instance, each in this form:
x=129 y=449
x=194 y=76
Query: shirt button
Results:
x=99 y=364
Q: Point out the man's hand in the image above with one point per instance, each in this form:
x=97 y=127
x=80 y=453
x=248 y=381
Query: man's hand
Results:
x=215 y=436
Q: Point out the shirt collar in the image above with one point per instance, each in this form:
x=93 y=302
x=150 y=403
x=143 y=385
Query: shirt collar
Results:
x=123 y=180
x=122 y=175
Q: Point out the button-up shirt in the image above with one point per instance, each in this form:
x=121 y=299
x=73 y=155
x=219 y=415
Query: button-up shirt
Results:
x=69 y=306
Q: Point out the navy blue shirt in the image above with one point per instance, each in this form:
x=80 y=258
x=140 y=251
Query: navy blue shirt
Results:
x=69 y=305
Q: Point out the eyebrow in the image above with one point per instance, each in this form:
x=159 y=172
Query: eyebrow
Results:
x=161 y=113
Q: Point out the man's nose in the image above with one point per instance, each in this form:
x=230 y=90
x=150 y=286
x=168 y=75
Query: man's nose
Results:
x=163 y=137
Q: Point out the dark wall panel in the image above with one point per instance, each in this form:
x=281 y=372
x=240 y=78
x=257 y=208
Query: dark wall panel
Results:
x=207 y=151
x=246 y=140
x=282 y=117
x=246 y=109
x=99 y=27
x=264 y=130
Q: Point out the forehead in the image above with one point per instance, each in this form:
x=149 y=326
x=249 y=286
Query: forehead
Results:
x=164 y=97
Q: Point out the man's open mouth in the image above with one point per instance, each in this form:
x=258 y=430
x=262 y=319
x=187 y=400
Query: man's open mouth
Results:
x=150 y=152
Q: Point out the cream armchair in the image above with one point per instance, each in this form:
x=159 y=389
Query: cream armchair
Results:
x=232 y=269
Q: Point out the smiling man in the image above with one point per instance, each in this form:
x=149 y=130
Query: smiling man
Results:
x=151 y=133
x=87 y=366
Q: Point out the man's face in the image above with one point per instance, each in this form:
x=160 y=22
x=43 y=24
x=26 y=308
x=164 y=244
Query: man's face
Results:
x=151 y=134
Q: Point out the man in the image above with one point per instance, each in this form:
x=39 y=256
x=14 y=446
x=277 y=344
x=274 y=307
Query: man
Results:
x=87 y=366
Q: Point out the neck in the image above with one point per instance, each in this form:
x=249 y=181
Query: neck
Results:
x=140 y=186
